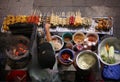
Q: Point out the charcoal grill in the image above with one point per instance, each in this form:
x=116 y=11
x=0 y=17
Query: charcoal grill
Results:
x=22 y=33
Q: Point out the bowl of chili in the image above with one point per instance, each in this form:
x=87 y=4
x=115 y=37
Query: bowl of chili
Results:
x=92 y=38
x=66 y=56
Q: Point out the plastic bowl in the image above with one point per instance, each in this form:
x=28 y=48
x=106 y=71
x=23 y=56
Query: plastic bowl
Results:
x=66 y=56
x=67 y=37
x=78 y=37
x=86 y=60
x=111 y=41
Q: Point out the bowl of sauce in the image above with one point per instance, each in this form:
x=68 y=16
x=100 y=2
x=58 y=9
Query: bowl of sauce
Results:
x=109 y=51
x=66 y=56
x=78 y=37
x=92 y=39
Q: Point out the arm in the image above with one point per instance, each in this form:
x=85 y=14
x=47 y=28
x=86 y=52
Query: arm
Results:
x=48 y=35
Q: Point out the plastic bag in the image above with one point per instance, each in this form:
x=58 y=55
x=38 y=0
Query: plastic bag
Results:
x=111 y=72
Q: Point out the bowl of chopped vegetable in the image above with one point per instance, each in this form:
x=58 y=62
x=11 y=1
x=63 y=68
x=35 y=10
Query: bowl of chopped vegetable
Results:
x=109 y=51
x=86 y=60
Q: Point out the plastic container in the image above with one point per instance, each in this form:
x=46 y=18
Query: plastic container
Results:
x=67 y=37
x=66 y=56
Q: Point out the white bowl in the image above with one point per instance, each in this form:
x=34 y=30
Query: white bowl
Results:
x=112 y=41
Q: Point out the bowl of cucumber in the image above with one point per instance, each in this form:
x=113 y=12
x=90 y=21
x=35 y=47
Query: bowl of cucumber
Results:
x=109 y=51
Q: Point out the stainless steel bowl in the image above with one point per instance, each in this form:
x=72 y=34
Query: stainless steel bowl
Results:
x=111 y=41
x=86 y=60
x=57 y=42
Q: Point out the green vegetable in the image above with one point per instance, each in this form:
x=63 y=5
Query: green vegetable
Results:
x=111 y=52
x=107 y=59
x=111 y=60
x=104 y=52
x=107 y=54
x=104 y=58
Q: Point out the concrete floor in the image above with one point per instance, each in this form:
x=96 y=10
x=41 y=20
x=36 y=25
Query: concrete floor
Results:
x=91 y=8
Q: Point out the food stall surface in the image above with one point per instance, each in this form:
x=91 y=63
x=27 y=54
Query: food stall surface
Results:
x=92 y=8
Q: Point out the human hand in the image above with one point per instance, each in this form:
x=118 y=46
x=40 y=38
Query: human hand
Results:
x=47 y=26
x=48 y=35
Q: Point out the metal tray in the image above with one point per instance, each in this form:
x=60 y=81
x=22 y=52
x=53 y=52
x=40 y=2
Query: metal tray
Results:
x=90 y=29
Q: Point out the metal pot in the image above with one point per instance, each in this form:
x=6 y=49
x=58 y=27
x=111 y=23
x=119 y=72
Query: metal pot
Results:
x=86 y=60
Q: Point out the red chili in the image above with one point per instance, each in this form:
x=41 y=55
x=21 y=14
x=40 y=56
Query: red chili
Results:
x=65 y=56
x=71 y=20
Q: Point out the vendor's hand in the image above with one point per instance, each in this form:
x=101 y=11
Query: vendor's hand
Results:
x=47 y=26
x=48 y=35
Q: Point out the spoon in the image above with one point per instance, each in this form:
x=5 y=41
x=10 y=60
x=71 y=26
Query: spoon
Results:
x=70 y=59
